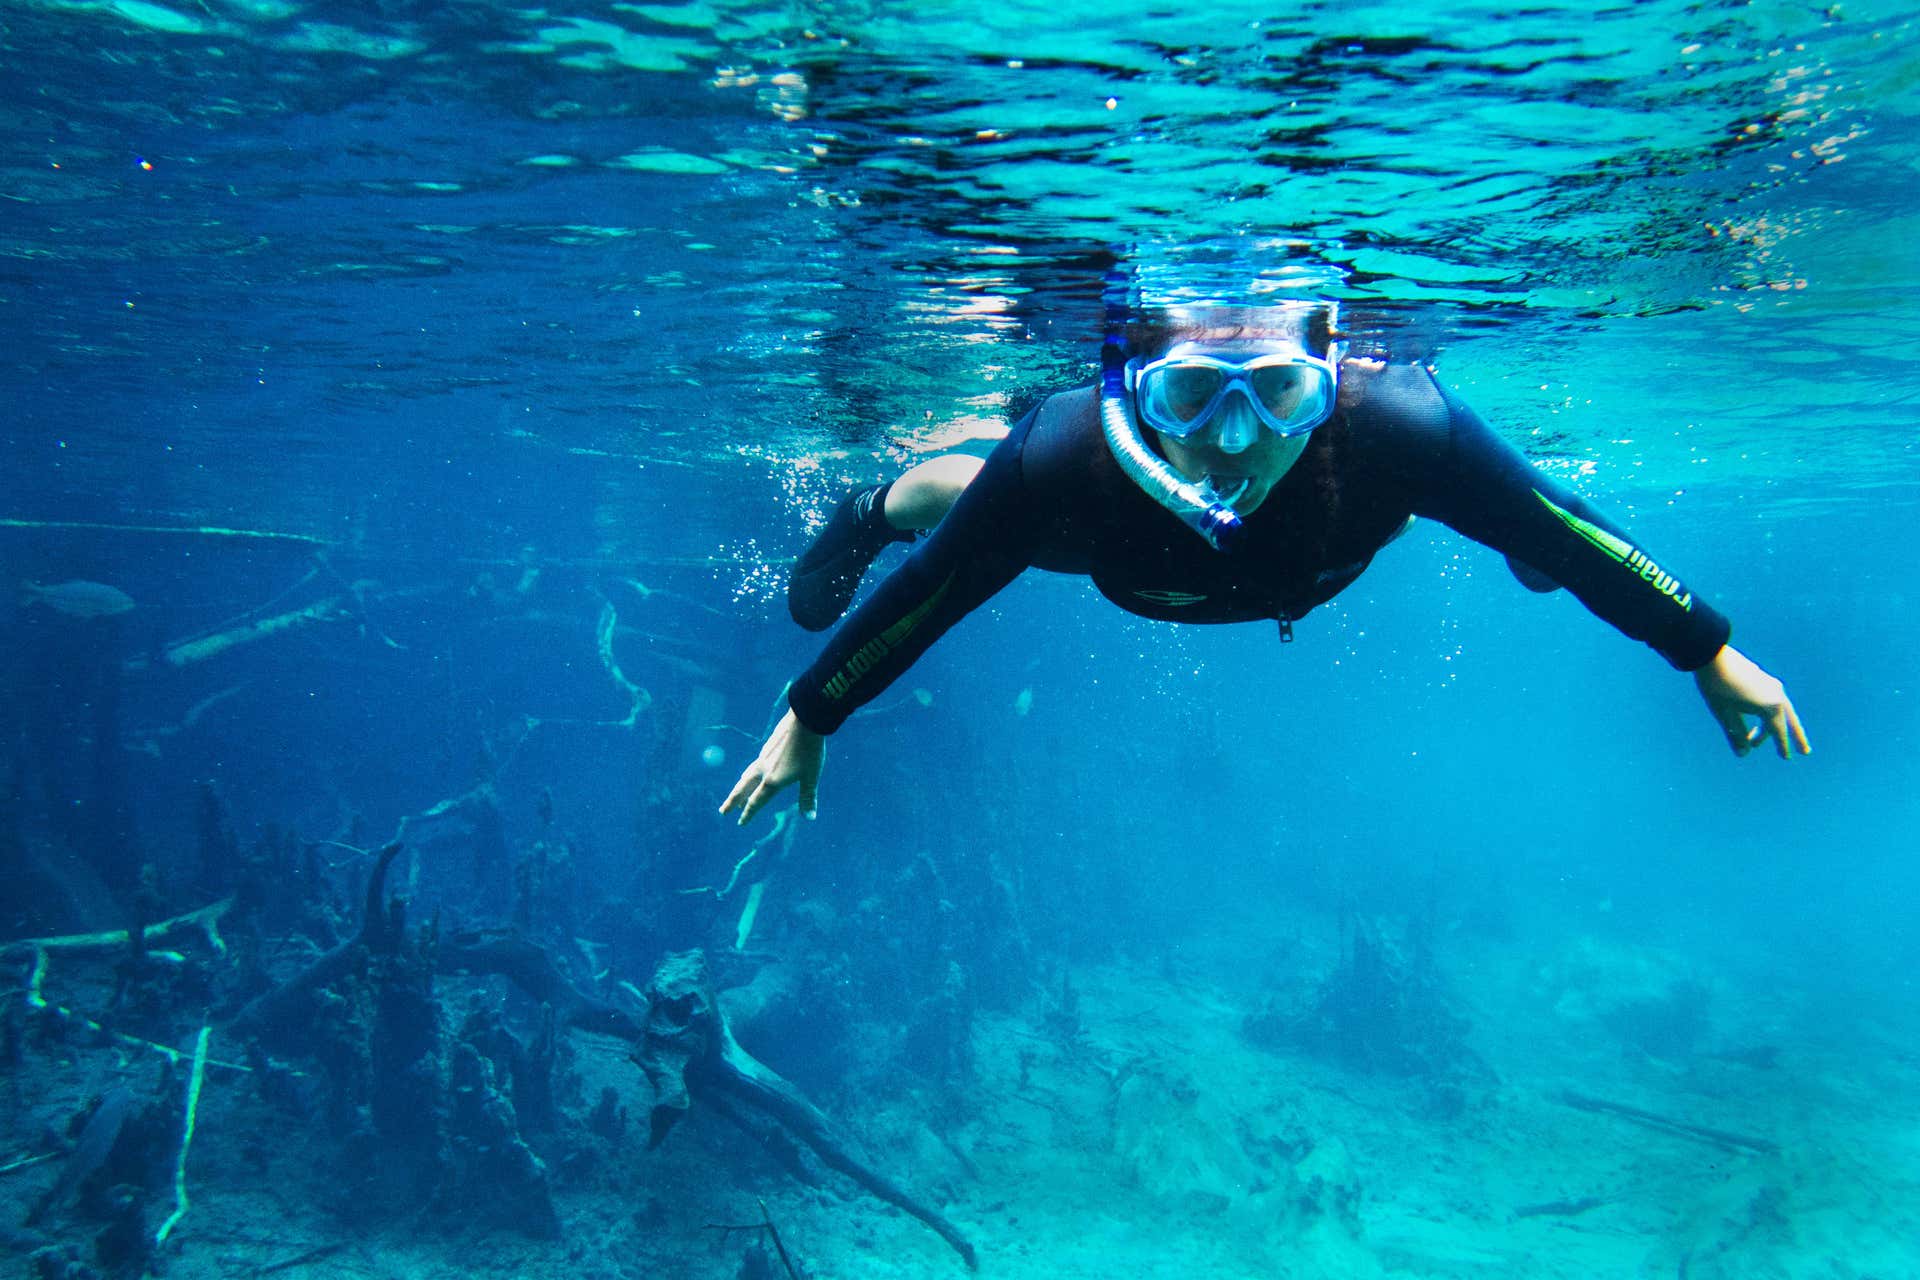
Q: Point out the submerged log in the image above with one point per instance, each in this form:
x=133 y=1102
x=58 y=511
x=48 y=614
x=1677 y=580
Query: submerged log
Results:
x=206 y=920
x=1666 y=1124
x=282 y=1001
x=531 y=967
x=689 y=1054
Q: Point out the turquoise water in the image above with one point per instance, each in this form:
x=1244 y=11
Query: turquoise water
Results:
x=520 y=348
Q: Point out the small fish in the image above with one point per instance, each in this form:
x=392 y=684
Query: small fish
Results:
x=78 y=599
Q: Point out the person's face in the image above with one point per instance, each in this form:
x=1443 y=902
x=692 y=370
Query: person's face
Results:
x=1236 y=446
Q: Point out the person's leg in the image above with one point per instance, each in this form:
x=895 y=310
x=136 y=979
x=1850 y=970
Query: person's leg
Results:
x=921 y=498
x=827 y=573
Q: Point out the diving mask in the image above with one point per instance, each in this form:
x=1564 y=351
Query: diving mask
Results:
x=1290 y=392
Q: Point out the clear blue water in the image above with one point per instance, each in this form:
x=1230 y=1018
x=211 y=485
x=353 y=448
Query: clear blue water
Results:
x=484 y=320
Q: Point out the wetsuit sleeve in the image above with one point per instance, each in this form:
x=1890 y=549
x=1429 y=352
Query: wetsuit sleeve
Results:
x=1487 y=490
x=981 y=546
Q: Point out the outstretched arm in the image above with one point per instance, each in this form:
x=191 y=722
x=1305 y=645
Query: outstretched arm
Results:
x=1484 y=488
x=978 y=547
x=1735 y=689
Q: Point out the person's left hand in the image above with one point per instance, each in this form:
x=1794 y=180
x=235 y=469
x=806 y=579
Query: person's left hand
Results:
x=1734 y=689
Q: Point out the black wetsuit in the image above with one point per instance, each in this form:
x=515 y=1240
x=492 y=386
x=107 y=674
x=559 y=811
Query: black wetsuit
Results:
x=1052 y=497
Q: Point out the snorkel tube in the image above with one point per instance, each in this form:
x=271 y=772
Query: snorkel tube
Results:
x=1198 y=505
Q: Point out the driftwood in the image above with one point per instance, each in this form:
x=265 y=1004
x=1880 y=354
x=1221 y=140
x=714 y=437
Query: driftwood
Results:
x=1560 y=1208
x=764 y=1227
x=519 y=960
x=531 y=968
x=27 y=1162
x=302 y=1258
x=1666 y=1124
x=690 y=1053
x=283 y=1000
x=188 y=652
x=206 y=919
x=37 y=974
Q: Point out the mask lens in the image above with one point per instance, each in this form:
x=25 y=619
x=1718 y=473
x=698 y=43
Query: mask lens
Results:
x=1182 y=396
x=1281 y=388
x=1183 y=391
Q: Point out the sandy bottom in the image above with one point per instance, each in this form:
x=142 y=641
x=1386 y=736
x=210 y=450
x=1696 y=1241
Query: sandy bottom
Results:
x=1155 y=1140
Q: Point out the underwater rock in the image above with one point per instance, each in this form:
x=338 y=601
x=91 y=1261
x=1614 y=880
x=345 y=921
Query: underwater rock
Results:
x=1178 y=1144
x=492 y=1164
x=528 y=1067
x=124 y=1246
x=1310 y=1214
x=1647 y=1000
x=60 y=1262
x=1326 y=1185
x=680 y=1018
x=608 y=1119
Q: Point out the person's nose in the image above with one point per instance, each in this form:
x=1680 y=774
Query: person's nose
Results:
x=1239 y=425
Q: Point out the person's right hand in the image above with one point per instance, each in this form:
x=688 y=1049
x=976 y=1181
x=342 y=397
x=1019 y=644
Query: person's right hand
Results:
x=792 y=753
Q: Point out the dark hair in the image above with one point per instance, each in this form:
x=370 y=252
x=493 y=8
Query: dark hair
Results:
x=1322 y=460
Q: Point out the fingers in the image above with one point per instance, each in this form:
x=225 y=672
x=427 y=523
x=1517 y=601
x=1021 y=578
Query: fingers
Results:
x=1783 y=726
x=1734 y=725
x=1736 y=691
x=1799 y=733
x=749 y=796
x=1778 y=731
x=756 y=802
x=748 y=780
x=755 y=789
x=1779 y=722
x=810 y=793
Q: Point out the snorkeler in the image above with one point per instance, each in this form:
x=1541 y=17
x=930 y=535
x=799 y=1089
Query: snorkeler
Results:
x=1232 y=465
